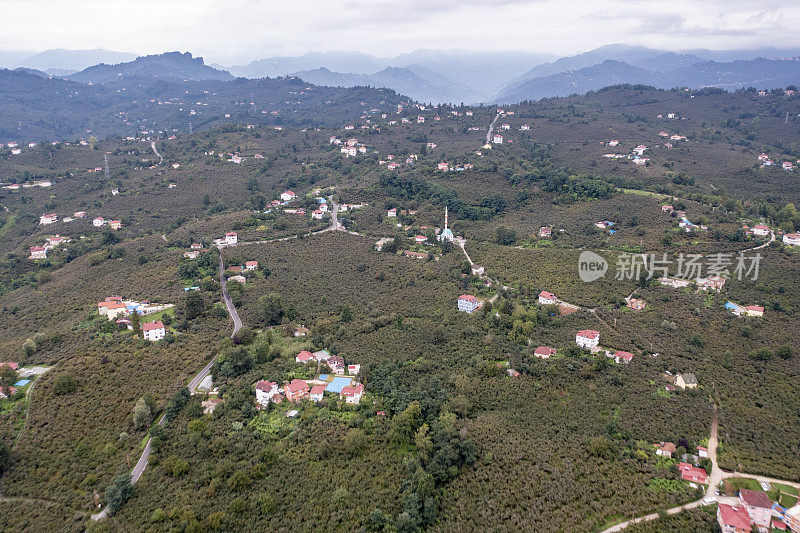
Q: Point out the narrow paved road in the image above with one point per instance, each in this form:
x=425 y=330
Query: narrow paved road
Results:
x=141 y=464
x=762 y=246
x=491 y=129
x=155 y=151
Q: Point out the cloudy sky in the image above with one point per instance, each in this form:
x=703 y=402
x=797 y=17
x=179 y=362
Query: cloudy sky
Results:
x=232 y=31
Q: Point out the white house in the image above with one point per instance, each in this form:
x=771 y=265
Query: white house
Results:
x=761 y=230
x=353 y=370
x=317 y=214
x=38 y=252
x=391 y=212
x=497 y=139
x=153 y=331
x=48 y=219
x=317 y=391
x=587 y=338
x=547 y=298
x=231 y=238
x=250 y=265
x=98 y=222
x=467 y=303
x=792 y=239
x=352 y=393
x=288 y=196
x=266 y=391
x=443 y=167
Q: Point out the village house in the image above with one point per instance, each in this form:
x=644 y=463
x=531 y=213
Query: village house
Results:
x=692 y=473
x=635 y=303
x=544 y=352
x=675 y=283
x=754 y=310
x=196 y=246
x=48 y=219
x=352 y=393
x=702 y=452
x=317 y=214
x=761 y=230
x=210 y=405
x=420 y=239
x=38 y=252
x=666 y=449
x=415 y=255
x=153 y=331
x=98 y=222
x=79 y=214
x=353 y=370
x=787 y=165
x=545 y=232
x=301 y=331
x=317 y=391
x=622 y=357
x=686 y=381
x=391 y=212
x=380 y=243
x=525 y=127
x=296 y=390
x=266 y=391
x=191 y=254
x=115 y=224
x=588 y=339
x=112 y=308
x=497 y=139
x=757 y=505
x=443 y=167
x=714 y=283
x=304 y=357
x=288 y=196
x=231 y=238
x=547 y=298
x=792 y=239
x=336 y=364
x=322 y=355
x=667 y=208
x=613 y=143
x=467 y=303
x=250 y=265
x=733 y=519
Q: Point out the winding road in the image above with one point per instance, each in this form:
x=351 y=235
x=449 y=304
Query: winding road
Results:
x=491 y=129
x=141 y=464
x=155 y=151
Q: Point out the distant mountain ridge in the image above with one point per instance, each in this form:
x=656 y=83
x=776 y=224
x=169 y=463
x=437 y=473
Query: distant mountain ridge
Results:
x=73 y=60
x=173 y=65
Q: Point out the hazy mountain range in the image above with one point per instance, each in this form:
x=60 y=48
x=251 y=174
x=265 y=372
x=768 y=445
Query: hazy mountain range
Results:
x=454 y=76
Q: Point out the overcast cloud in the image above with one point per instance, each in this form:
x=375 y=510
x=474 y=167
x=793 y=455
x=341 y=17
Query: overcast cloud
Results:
x=237 y=31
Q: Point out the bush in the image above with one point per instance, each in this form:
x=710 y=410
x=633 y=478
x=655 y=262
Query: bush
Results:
x=64 y=384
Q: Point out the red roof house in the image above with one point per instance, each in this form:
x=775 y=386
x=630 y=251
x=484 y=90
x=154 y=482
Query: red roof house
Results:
x=304 y=357
x=544 y=352
x=296 y=390
x=692 y=473
x=733 y=518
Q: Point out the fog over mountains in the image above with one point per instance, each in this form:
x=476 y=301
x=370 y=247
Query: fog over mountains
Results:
x=450 y=76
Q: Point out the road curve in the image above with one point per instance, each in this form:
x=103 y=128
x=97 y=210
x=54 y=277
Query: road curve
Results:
x=491 y=129
x=155 y=151
x=141 y=464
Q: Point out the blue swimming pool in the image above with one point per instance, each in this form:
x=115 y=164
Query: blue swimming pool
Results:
x=22 y=382
x=323 y=377
x=338 y=384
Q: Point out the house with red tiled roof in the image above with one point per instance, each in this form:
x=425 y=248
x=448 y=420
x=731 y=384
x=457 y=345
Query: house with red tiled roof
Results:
x=352 y=393
x=296 y=390
x=547 y=298
x=544 y=352
x=587 y=338
x=153 y=331
x=622 y=357
x=692 y=473
x=304 y=357
x=758 y=506
x=733 y=519
x=316 y=393
x=9 y=364
x=267 y=391
x=467 y=303
x=250 y=265
x=666 y=449
x=336 y=363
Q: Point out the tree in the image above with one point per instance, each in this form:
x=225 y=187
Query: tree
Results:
x=506 y=236
x=195 y=305
x=271 y=309
x=346 y=315
x=119 y=491
x=135 y=322
x=141 y=414
x=405 y=424
x=64 y=384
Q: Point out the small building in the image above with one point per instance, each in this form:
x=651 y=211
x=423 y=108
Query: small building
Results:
x=380 y=243
x=317 y=214
x=545 y=232
x=667 y=208
x=287 y=196
x=266 y=391
x=238 y=278
x=754 y=310
x=588 y=339
x=352 y=393
x=153 y=331
x=714 y=283
x=733 y=519
x=231 y=238
x=115 y=224
x=304 y=357
x=702 y=452
x=79 y=214
x=757 y=505
x=547 y=298
x=623 y=357
x=636 y=304
x=98 y=222
x=301 y=331
x=250 y=265
x=391 y=212
x=316 y=393
x=191 y=254
x=415 y=255
x=686 y=381
x=497 y=139
x=353 y=370
x=48 y=219
x=38 y=252
x=196 y=246
x=792 y=517
x=296 y=390
x=467 y=303
x=336 y=364
x=322 y=355
x=666 y=449
x=792 y=239
x=544 y=352
x=761 y=230
x=692 y=473
x=444 y=167
x=420 y=239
